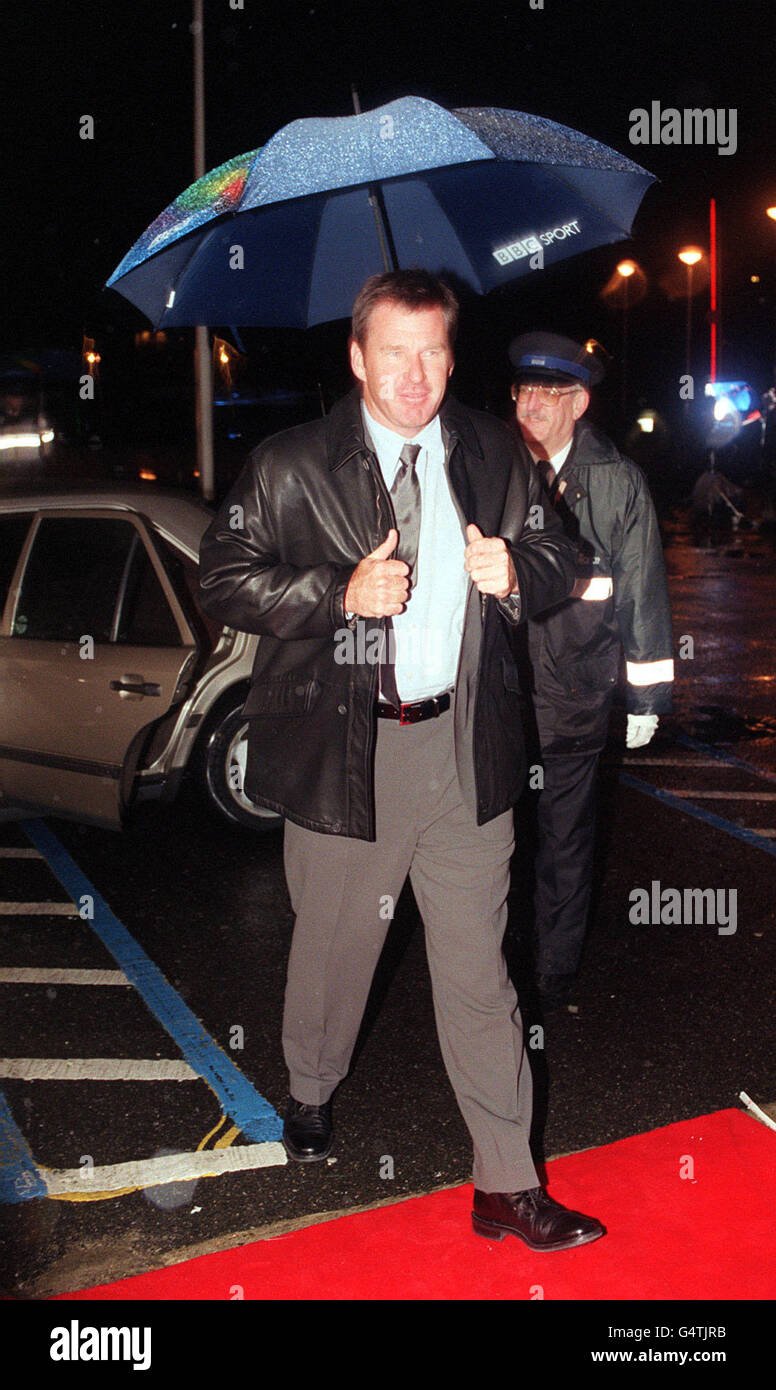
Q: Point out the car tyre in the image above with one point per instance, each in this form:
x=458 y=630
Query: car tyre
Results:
x=223 y=771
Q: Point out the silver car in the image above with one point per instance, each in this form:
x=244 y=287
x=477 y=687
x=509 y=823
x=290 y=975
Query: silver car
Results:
x=113 y=683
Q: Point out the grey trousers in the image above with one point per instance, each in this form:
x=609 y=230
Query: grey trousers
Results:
x=342 y=892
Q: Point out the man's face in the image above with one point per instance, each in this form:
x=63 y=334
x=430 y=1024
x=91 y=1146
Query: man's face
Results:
x=547 y=427
x=404 y=365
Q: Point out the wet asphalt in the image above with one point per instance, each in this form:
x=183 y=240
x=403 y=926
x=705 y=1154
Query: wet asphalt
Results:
x=669 y=1021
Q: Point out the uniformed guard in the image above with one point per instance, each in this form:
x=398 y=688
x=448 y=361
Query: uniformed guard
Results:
x=619 y=603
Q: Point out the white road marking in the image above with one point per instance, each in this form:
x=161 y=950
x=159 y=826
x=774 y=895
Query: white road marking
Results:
x=696 y=793
x=167 y=1168
x=673 y=762
x=244 y=1104
x=95 y=1069
x=38 y=909
x=755 y=1109
x=721 y=796
x=27 y=975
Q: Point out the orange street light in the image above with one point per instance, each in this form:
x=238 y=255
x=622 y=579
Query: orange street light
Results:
x=771 y=212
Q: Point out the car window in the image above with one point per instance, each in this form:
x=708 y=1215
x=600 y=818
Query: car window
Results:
x=183 y=574
x=72 y=578
x=145 y=617
x=92 y=576
x=13 y=533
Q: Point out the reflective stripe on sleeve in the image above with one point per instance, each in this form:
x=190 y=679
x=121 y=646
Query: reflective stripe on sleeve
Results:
x=649 y=672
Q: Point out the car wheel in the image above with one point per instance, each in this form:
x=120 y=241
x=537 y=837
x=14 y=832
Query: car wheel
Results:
x=225 y=750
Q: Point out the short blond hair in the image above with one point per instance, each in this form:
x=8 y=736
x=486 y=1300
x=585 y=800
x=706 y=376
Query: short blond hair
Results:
x=413 y=289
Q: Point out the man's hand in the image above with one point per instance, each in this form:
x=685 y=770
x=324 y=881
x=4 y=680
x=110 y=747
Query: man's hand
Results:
x=379 y=587
x=489 y=563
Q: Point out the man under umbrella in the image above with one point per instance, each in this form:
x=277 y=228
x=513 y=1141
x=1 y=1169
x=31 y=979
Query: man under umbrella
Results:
x=411 y=763
x=620 y=602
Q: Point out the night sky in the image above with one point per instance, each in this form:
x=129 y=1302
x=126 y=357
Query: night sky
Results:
x=74 y=207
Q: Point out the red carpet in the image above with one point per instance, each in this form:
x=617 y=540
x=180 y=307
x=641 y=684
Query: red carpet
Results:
x=707 y=1235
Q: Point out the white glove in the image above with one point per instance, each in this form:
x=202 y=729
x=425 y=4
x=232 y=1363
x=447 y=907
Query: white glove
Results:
x=641 y=728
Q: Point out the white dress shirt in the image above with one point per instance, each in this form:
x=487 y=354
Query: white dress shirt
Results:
x=428 y=631
x=557 y=461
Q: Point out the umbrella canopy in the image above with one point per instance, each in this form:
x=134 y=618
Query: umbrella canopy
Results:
x=287 y=234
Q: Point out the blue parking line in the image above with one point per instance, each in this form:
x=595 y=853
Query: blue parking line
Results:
x=678 y=803
x=19 y=1176
x=243 y=1104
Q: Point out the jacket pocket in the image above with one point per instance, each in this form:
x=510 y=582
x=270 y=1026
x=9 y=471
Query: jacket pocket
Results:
x=287 y=697
x=592 y=673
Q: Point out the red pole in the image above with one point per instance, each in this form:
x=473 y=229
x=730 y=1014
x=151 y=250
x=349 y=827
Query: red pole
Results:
x=714 y=299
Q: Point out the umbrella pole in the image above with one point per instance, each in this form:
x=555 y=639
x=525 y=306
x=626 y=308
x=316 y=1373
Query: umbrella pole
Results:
x=203 y=364
x=378 y=208
x=381 y=223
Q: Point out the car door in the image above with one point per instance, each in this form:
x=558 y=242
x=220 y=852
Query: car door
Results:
x=95 y=649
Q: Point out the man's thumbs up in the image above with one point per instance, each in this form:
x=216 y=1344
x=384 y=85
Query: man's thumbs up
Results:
x=489 y=563
x=386 y=548
x=379 y=587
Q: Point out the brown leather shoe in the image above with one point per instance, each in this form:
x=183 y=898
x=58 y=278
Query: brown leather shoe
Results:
x=533 y=1216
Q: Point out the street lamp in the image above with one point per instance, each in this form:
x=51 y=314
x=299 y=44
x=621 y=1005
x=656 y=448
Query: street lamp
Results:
x=690 y=255
x=771 y=212
x=625 y=269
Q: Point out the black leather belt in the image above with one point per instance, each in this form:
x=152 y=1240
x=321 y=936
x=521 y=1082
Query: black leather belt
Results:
x=415 y=712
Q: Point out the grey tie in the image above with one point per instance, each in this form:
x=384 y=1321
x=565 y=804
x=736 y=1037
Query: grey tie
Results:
x=405 y=496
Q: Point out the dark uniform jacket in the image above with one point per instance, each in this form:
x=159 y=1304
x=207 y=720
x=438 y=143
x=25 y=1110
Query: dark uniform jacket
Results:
x=576 y=647
x=276 y=560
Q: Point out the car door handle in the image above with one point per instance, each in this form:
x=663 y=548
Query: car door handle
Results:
x=135 y=685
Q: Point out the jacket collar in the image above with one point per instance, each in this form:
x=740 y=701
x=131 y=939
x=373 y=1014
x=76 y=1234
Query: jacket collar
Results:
x=595 y=448
x=345 y=429
x=592 y=443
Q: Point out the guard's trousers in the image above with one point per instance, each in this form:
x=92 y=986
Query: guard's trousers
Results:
x=564 y=860
x=342 y=892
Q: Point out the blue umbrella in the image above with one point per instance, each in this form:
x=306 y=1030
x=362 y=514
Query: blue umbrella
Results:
x=287 y=234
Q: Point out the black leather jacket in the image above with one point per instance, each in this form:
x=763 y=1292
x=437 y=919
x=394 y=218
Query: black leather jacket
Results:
x=276 y=560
